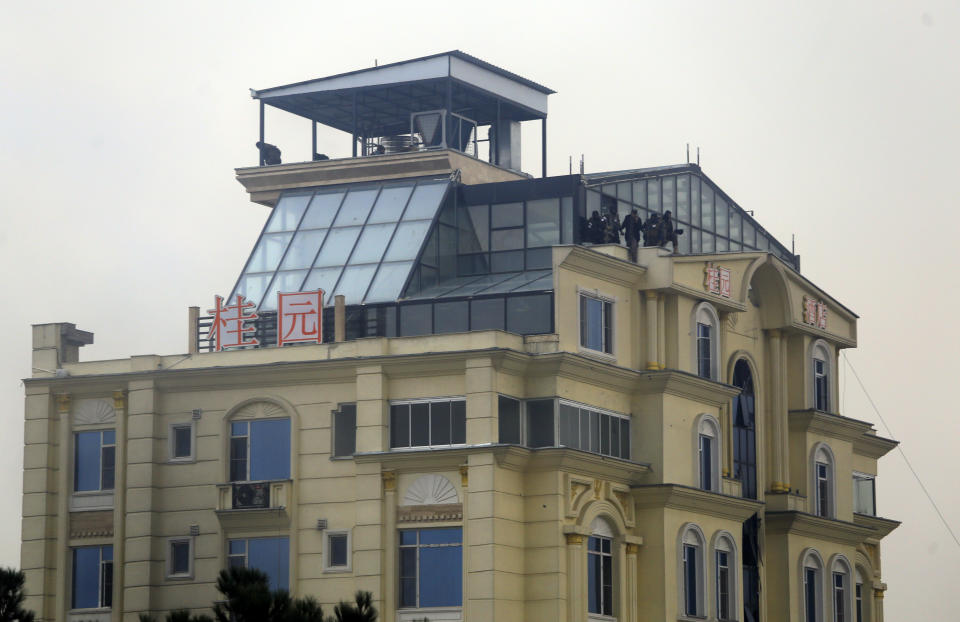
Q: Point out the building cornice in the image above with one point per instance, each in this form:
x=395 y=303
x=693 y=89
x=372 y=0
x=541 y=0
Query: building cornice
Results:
x=881 y=526
x=689 y=499
x=683 y=384
x=798 y=523
x=599 y=265
x=874 y=446
x=855 y=431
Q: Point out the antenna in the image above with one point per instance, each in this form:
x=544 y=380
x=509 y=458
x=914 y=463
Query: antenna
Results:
x=581 y=164
x=374 y=62
x=793 y=244
x=688 y=153
x=698 y=156
x=571 y=165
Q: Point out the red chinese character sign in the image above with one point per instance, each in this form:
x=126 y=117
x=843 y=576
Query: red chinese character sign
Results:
x=815 y=312
x=229 y=329
x=717 y=280
x=300 y=317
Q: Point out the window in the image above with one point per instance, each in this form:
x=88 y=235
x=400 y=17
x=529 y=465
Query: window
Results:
x=179 y=558
x=509 y=420
x=600 y=569
x=92 y=577
x=691 y=565
x=708 y=453
x=431 y=567
x=271 y=555
x=821 y=376
x=858 y=595
x=840 y=587
x=596 y=324
x=428 y=424
x=94 y=460
x=744 y=430
x=345 y=431
x=812 y=587
x=705 y=333
x=336 y=551
x=260 y=450
x=864 y=494
x=725 y=562
x=823 y=482
x=540 y=423
x=181 y=442
x=597 y=432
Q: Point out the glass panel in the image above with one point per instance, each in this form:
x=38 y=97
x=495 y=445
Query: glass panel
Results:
x=594 y=573
x=272 y=556
x=253 y=286
x=683 y=198
x=540 y=423
x=354 y=282
x=721 y=244
x=270 y=449
x=400 y=425
x=303 y=249
x=539 y=258
x=451 y=317
x=415 y=319
x=707 y=208
x=373 y=241
x=337 y=247
x=325 y=279
x=735 y=219
x=345 y=431
x=389 y=281
x=653 y=194
x=181 y=442
x=425 y=201
x=390 y=204
x=529 y=315
x=625 y=439
x=615 y=437
x=749 y=234
x=543 y=283
x=509 y=420
x=510 y=261
x=441 y=576
x=708 y=242
x=721 y=215
x=506 y=239
x=458 y=422
x=566 y=218
x=669 y=196
x=269 y=251
x=323 y=208
x=594 y=431
x=506 y=215
x=695 y=200
x=440 y=423
x=569 y=426
x=487 y=314
x=419 y=425
x=286 y=215
x=338 y=550
x=356 y=207
x=179 y=557
x=543 y=222
x=86 y=575
x=474 y=228
x=288 y=281
x=407 y=241
x=86 y=475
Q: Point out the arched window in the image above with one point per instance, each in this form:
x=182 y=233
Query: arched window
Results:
x=708 y=453
x=725 y=574
x=824 y=479
x=820 y=359
x=706 y=338
x=259 y=442
x=812 y=568
x=692 y=569
x=600 y=568
x=840 y=589
x=744 y=430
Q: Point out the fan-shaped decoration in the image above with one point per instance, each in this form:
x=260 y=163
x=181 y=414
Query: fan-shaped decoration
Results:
x=94 y=411
x=430 y=490
x=259 y=410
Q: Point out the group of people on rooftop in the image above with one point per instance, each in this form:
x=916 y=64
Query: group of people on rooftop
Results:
x=606 y=229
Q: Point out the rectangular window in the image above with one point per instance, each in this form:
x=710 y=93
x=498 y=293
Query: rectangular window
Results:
x=94 y=458
x=596 y=324
x=336 y=555
x=509 y=420
x=810 y=593
x=823 y=489
x=596 y=432
x=181 y=442
x=864 y=494
x=431 y=568
x=706 y=462
x=179 y=557
x=820 y=385
x=600 y=575
x=723 y=585
x=345 y=431
x=540 y=423
x=690 y=579
x=271 y=555
x=92 y=577
x=839 y=608
x=260 y=450
x=428 y=424
x=703 y=350
x=859 y=597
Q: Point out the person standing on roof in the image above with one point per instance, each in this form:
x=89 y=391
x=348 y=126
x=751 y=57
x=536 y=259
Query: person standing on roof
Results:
x=632 y=227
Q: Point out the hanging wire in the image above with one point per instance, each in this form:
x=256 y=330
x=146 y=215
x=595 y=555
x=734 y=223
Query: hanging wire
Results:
x=902 y=453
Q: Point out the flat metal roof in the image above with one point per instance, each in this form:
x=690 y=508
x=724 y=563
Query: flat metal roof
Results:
x=383 y=97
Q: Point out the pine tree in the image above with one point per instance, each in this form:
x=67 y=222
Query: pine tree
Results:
x=12 y=597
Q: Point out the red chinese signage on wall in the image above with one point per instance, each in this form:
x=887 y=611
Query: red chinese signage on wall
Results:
x=717 y=280
x=299 y=320
x=815 y=312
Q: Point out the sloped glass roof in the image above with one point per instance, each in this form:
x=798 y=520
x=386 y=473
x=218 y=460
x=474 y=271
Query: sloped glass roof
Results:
x=465 y=286
x=359 y=240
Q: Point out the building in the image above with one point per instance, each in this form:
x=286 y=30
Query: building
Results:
x=498 y=420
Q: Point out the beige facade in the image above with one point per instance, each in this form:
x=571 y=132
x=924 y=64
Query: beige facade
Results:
x=528 y=515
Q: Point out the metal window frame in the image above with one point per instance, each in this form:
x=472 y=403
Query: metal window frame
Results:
x=430 y=401
x=601 y=555
x=417 y=547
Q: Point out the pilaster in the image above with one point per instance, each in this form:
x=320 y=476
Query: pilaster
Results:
x=652 y=336
x=482 y=420
x=576 y=585
x=139 y=494
x=371 y=409
x=64 y=405
x=119 y=503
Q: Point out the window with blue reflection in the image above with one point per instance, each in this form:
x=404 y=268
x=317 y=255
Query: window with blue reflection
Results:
x=431 y=568
x=269 y=555
x=94 y=457
x=596 y=324
x=92 y=571
x=260 y=450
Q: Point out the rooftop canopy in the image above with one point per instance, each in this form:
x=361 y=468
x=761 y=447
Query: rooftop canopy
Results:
x=378 y=101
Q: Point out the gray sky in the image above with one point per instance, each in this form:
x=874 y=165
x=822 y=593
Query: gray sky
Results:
x=122 y=123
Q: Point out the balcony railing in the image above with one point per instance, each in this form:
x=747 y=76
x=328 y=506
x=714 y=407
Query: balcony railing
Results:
x=253 y=495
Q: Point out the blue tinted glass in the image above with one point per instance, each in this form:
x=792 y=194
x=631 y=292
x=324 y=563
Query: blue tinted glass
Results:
x=441 y=536
x=441 y=573
x=593 y=582
x=238 y=428
x=87 y=464
x=106 y=552
x=270 y=449
x=86 y=577
x=238 y=547
x=271 y=555
x=408 y=536
x=109 y=437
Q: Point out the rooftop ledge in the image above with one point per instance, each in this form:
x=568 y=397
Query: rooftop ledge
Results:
x=265 y=183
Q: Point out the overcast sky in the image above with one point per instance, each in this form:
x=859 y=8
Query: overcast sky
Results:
x=837 y=122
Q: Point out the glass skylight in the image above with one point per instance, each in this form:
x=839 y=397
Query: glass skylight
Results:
x=360 y=241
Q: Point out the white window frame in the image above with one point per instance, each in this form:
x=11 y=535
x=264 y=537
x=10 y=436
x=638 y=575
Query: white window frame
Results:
x=840 y=566
x=90 y=612
x=172 y=442
x=820 y=351
x=857 y=475
x=823 y=455
x=249 y=436
x=705 y=313
x=723 y=542
x=326 y=550
x=101 y=498
x=811 y=560
x=600 y=528
x=692 y=535
x=707 y=425
x=610 y=300
x=169 y=565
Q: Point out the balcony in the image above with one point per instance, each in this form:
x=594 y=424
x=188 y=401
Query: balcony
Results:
x=254 y=504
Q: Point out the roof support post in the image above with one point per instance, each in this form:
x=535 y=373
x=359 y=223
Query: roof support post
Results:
x=354 y=124
x=496 y=136
x=313 y=128
x=543 y=144
x=262 y=162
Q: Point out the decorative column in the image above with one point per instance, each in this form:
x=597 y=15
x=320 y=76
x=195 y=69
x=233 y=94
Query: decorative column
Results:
x=119 y=503
x=783 y=414
x=576 y=586
x=633 y=584
x=774 y=416
x=653 y=361
x=878 y=602
x=63 y=503
x=389 y=577
x=726 y=430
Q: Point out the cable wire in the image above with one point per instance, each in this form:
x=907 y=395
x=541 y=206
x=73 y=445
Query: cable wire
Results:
x=902 y=453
